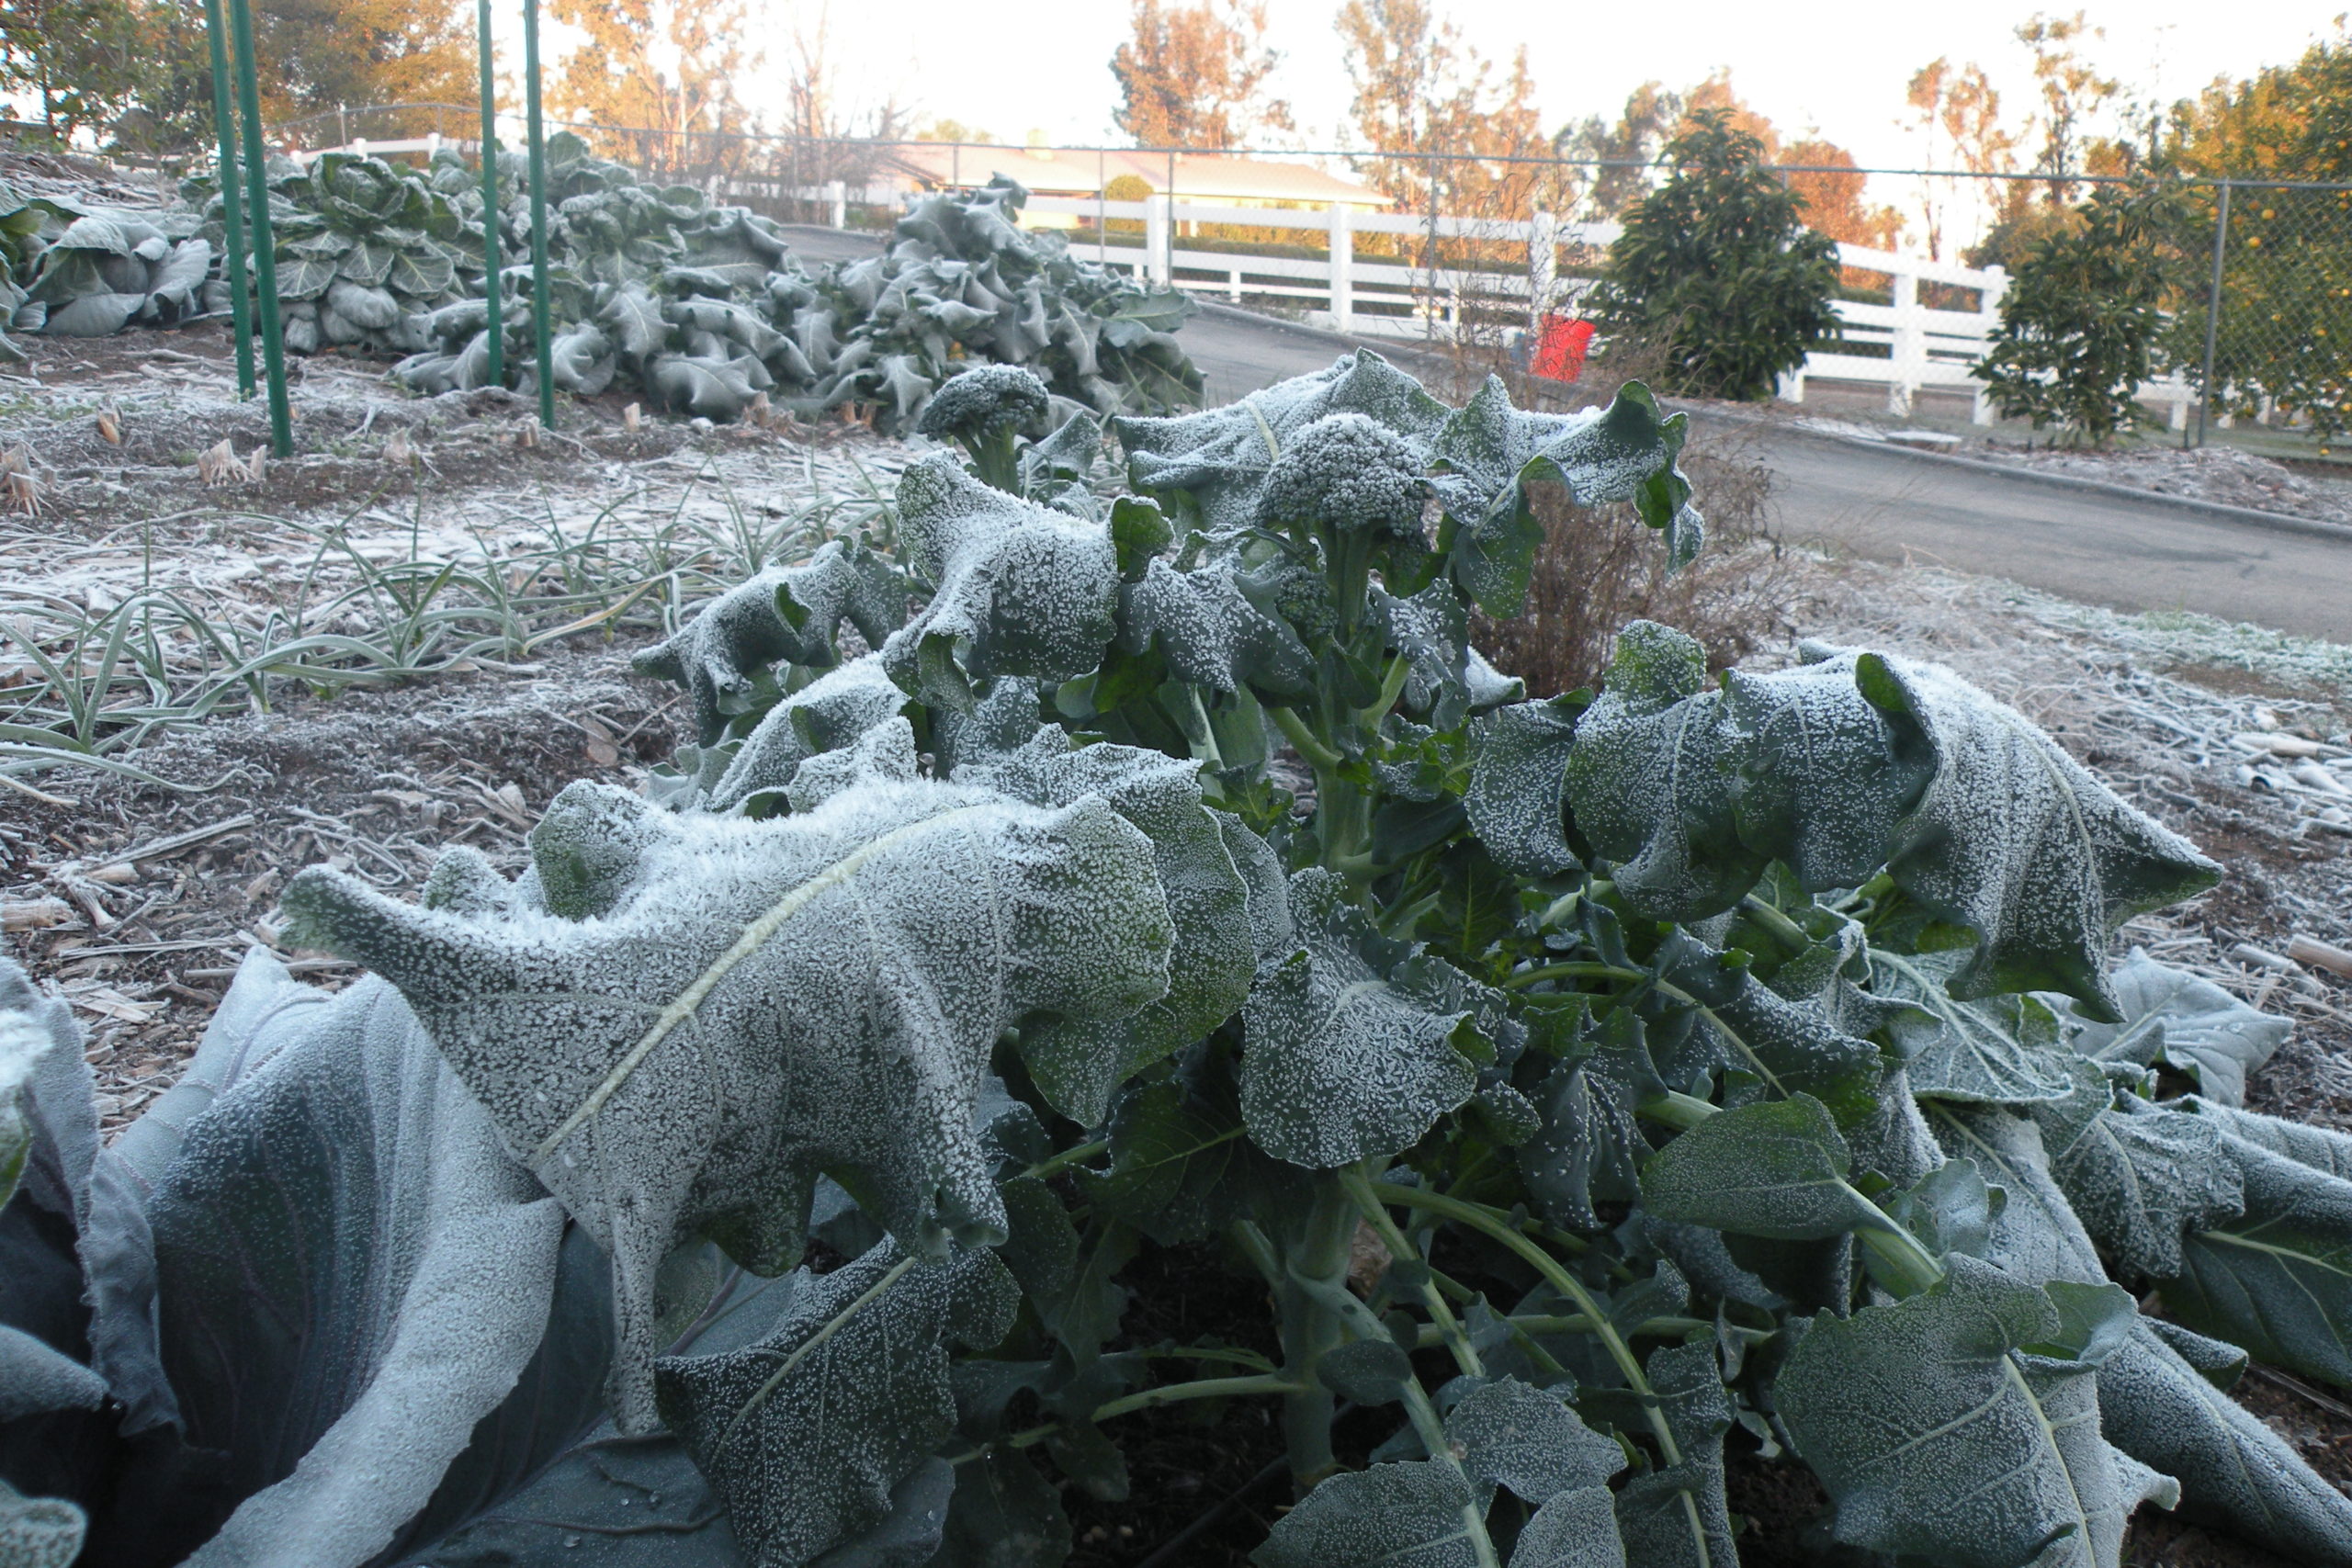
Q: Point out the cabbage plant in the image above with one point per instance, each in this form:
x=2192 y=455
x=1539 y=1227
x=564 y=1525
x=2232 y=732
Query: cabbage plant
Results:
x=1597 y=1086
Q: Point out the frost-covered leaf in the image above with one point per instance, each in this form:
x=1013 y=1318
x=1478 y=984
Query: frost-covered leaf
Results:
x=2016 y=840
x=766 y=1000
x=38 y=1533
x=1576 y=1529
x=1489 y=452
x=2002 y=1052
x=2035 y=1234
x=352 y=1274
x=1677 y=1515
x=718 y=655
x=1775 y=1169
x=2160 y=1409
x=2323 y=1149
x=1211 y=632
x=1591 y=1145
x=2137 y=1176
x=1513 y=1435
x=1017 y=589
x=1221 y=457
x=1978 y=816
x=1173 y=1150
x=2277 y=1280
x=637 y=325
x=1446 y=679
x=1340 y=1064
x=2187 y=1022
x=1787 y=1047
x=1517 y=800
x=1393 y=1516
x=1961 y=1425
x=832 y=712
x=1076 y=1062
x=806 y=1431
x=582 y=361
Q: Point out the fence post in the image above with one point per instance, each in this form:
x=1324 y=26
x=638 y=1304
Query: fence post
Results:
x=1906 y=350
x=1343 y=270
x=1988 y=306
x=495 y=277
x=837 y=193
x=1158 y=237
x=534 y=128
x=232 y=202
x=1542 y=264
x=272 y=337
x=2213 y=311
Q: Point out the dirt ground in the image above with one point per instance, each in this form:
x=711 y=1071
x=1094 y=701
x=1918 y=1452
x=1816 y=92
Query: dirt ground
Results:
x=135 y=898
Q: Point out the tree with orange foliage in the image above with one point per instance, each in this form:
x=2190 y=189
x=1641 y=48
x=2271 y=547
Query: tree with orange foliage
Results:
x=1833 y=198
x=1959 y=110
x=1195 y=75
x=1423 y=92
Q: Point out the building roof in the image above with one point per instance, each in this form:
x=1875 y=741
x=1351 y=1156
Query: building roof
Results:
x=1201 y=176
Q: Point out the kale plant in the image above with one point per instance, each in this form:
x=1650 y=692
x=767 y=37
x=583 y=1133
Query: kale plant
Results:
x=1599 y=1088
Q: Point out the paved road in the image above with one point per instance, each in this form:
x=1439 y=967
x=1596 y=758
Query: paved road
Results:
x=2100 y=549
x=1886 y=504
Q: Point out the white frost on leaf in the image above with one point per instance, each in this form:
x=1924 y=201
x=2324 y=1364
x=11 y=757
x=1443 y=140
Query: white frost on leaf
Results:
x=767 y=1001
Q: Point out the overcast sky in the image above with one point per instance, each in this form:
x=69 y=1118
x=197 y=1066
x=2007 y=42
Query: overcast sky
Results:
x=1015 y=69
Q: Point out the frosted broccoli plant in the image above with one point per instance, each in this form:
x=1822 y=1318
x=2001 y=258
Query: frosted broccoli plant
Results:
x=1605 y=1090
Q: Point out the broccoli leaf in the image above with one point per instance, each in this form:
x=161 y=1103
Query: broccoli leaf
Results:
x=2185 y=1021
x=1340 y=1064
x=806 y=1432
x=1018 y=589
x=2004 y=1052
x=1489 y=452
x=1963 y=1424
x=766 y=1000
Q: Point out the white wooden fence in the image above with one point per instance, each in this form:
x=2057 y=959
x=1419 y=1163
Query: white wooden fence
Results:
x=1903 y=347
x=1906 y=348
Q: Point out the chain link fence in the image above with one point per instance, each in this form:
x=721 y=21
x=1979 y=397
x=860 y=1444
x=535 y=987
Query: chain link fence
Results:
x=2265 y=335
x=2262 y=314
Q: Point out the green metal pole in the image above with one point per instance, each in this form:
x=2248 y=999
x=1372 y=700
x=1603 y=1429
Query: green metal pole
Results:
x=2213 y=308
x=273 y=341
x=540 y=329
x=489 y=197
x=232 y=202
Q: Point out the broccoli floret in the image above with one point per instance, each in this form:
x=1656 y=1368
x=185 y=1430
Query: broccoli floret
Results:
x=1347 y=473
x=990 y=400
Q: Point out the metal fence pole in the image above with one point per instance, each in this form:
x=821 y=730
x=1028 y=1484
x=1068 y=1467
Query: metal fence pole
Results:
x=2213 y=310
x=489 y=197
x=272 y=340
x=539 y=327
x=233 y=200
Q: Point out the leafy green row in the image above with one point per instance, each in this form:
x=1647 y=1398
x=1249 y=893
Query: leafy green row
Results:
x=1601 y=1088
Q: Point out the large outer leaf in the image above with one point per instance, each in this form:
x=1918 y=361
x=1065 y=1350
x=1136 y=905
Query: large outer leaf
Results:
x=1392 y=1515
x=2152 y=1403
x=1677 y=1515
x=2277 y=1280
x=806 y=1432
x=1221 y=456
x=2186 y=1021
x=1514 y=1434
x=1077 y=1062
x=1938 y=1434
x=38 y=1533
x=1861 y=761
x=1488 y=452
x=844 y=580
x=1340 y=1064
x=766 y=1000
x=2017 y=842
x=2163 y=1411
x=2135 y=1175
x=1018 y=589
x=353 y=1274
